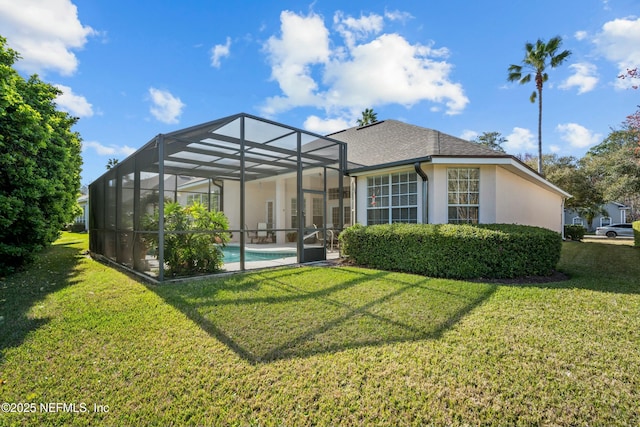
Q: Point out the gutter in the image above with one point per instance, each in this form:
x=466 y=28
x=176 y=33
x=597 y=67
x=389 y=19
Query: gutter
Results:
x=425 y=185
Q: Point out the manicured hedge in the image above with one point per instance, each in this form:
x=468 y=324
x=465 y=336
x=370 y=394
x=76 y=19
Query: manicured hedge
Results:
x=454 y=251
x=636 y=234
x=574 y=232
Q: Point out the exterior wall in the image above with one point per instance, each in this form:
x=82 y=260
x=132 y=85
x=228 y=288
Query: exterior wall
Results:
x=504 y=197
x=519 y=201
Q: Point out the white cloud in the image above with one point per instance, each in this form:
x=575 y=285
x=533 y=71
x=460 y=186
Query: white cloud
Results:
x=110 y=150
x=76 y=105
x=396 y=15
x=352 y=29
x=325 y=126
x=166 y=107
x=578 y=136
x=469 y=134
x=584 y=77
x=619 y=42
x=555 y=148
x=367 y=69
x=580 y=35
x=45 y=33
x=220 y=51
x=304 y=42
x=519 y=141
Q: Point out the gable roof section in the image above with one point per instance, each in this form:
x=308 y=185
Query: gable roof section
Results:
x=391 y=141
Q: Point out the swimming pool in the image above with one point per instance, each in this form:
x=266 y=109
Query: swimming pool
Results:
x=232 y=254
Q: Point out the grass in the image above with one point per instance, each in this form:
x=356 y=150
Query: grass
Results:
x=323 y=346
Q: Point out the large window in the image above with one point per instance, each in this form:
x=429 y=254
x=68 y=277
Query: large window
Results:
x=392 y=198
x=463 y=187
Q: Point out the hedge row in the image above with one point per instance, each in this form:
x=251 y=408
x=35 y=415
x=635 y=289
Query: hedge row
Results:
x=454 y=251
x=636 y=234
x=574 y=232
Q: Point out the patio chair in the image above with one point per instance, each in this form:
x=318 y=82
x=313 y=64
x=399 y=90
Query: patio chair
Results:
x=262 y=232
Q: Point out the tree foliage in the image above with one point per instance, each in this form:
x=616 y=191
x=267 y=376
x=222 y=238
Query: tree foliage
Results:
x=568 y=173
x=192 y=240
x=493 y=140
x=368 y=117
x=537 y=58
x=614 y=167
x=111 y=163
x=39 y=165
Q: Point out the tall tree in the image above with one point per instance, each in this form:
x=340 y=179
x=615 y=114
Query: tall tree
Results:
x=614 y=167
x=537 y=58
x=368 y=117
x=493 y=140
x=39 y=165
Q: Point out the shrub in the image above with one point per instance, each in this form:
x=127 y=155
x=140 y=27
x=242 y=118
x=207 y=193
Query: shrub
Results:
x=39 y=165
x=455 y=251
x=636 y=234
x=574 y=232
x=192 y=238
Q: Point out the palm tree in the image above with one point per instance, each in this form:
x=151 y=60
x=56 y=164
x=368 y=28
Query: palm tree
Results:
x=368 y=117
x=112 y=163
x=537 y=57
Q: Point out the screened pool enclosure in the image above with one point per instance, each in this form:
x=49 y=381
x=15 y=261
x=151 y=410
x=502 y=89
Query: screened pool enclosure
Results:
x=282 y=189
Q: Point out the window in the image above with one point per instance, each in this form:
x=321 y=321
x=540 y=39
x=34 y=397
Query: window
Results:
x=213 y=203
x=294 y=213
x=463 y=188
x=578 y=221
x=335 y=215
x=334 y=193
x=269 y=207
x=392 y=198
x=318 y=212
x=605 y=220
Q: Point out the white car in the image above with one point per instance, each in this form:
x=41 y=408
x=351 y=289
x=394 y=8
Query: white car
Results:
x=615 y=230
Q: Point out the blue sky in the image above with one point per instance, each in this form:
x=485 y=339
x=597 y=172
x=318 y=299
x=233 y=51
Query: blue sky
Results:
x=131 y=70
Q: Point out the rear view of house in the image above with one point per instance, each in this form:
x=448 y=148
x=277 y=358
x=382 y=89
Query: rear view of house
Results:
x=288 y=193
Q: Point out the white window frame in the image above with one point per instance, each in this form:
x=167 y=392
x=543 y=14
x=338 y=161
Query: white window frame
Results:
x=392 y=198
x=463 y=195
x=577 y=221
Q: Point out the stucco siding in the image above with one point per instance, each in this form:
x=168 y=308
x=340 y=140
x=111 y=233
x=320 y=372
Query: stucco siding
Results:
x=519 y=201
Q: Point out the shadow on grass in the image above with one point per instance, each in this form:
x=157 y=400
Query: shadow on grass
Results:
x=300 y=312
x=54 y=269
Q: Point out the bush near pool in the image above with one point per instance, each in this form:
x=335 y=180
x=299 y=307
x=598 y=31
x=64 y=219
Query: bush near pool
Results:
x=455 y=251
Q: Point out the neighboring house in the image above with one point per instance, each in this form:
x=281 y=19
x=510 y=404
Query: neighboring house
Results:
x=83 y=202
x=406 y=173
x=616 y=214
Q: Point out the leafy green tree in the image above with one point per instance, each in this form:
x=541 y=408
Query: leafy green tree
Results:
x=493 y=140
x=368 y=117
x=614 y=168
x=40 y=165
x=568 y=173
x=537 y=58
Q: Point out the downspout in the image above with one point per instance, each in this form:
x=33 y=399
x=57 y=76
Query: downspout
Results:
x=562 y=224
x=425 y=200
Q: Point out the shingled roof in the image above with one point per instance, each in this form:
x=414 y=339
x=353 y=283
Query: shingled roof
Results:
x=391 y=141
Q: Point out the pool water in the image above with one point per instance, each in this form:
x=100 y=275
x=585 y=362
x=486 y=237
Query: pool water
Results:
x=232 y=254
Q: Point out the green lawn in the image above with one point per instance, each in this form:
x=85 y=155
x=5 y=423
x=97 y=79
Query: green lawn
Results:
x=321 y=346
